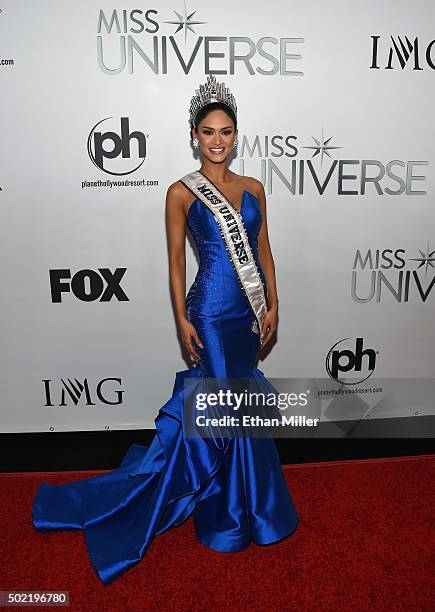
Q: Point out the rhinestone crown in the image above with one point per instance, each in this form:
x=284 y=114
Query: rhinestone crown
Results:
x=209 y=92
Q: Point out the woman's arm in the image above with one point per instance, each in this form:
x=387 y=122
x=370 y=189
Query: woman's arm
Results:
x=176 y=236
x=266 y=260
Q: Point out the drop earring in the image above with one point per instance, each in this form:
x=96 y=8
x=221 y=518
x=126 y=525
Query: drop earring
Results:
x=236 y=142
x=195 y=143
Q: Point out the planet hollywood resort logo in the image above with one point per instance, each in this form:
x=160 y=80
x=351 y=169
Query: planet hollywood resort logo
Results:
x=349 y=356
x=379 y=274
x=135 y=39
x=277 y=160
x=106 y=144
x=6 y=61
x=117 y=150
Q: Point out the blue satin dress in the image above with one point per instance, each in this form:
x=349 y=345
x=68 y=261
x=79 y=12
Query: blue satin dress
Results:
x=236 y=491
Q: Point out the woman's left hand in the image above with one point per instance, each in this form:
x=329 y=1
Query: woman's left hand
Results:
x=270 y=325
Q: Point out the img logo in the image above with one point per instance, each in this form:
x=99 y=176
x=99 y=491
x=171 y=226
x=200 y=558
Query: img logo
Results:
x=350 y=359
x=116 y=145
x=107 y=391
x=400 y=51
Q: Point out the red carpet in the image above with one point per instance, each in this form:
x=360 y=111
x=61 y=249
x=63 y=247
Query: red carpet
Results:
x=363 y=543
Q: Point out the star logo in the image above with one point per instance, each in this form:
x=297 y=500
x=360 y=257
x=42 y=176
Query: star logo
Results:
x=427 y=259
x=185 y=21
x=322 y=147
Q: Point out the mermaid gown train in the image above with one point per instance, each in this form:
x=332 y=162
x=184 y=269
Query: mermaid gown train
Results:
x=234 y=489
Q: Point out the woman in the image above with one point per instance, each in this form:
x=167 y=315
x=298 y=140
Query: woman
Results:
x=233 y=486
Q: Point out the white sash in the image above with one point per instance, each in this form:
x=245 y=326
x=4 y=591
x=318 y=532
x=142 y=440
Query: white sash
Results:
x=234 y=235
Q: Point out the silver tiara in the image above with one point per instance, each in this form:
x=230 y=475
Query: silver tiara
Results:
x=209 y=92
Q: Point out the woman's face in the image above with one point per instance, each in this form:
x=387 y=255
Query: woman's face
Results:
x=216 y=136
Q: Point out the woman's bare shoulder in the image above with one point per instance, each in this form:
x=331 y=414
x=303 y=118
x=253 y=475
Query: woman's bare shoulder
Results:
x=177 y=190
x=178 y=193
x=178 y=196
x=254 y=186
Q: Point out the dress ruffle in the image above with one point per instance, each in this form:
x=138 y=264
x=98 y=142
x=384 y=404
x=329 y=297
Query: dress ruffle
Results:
x=235 y=488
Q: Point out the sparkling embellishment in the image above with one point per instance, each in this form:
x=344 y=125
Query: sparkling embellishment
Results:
x=206 y=290
x=246 y=270
x=208 y=92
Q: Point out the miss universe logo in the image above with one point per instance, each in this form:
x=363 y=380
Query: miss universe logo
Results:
x=385 y=274
x=130 y=40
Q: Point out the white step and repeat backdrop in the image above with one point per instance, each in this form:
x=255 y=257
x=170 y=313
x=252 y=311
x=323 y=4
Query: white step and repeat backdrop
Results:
x=336 y=117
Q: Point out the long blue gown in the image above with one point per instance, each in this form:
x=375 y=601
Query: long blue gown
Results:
x=236 y=491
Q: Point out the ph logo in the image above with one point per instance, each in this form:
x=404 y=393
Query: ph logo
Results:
x=109 y=145
x=88 y=285
x=348 y=360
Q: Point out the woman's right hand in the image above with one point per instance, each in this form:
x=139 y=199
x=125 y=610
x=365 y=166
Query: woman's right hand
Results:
x=188 y=331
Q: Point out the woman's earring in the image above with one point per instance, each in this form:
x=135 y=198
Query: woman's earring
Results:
x=236 y=142
x=195 y=143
